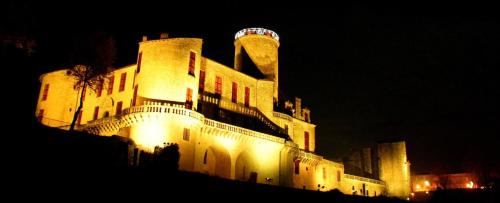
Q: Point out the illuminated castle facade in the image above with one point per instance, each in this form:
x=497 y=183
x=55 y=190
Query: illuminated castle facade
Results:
x=225 y=120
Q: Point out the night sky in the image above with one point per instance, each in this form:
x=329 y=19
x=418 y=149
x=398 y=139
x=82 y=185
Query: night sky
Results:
x=424 y=73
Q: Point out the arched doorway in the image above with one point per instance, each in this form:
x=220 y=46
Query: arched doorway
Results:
x=217 y=162
x=245 y=168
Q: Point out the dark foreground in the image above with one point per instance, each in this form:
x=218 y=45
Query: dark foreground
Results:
x=58 y=164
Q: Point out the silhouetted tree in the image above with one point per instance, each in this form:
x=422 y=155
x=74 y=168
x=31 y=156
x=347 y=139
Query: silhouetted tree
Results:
x=167 y=158
x=92 y=57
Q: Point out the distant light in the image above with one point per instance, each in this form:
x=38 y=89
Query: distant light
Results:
x=470 y=184
x=418 y=186
x=412 y=194
x=258 y=31
x=408 y=198
x=426 y=192
x=427 y=183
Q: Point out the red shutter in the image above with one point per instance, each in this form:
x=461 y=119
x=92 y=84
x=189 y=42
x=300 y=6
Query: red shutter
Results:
x=189 y=98
x=139 y=60
x=218 y=85
x=202 y=81
x=123 y=79
x=119 y=108
x=306 y=141
x=84 y=93
x=96 y=112
x=100 y=84
x=192 y=62
x=40 y=115
x=45 y=92
x=79 y=121
x=234 y=97
x=247 y=96
x=135 y=95
x=111 y=83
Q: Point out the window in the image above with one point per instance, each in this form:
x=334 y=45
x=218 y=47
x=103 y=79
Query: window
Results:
x=185 y=134
x=338 y=176
x=306 y=141
x=139 y=60
x=234 y=97
x=45 y=92
x=306 y=117
x=202 y=81
x=189 y=98
x=96 y=112
x=297 y=166
x=100 y=83
x=205 y=157
x=135 y=95
x=324 y=173
x=84 y=92
x=286 y=129
x=111 y=83
x=123 y=79
x=40 y=115
x=192 y=62
x=79 y=121
x=218 y=85
x=119 y=108
x=247 y=96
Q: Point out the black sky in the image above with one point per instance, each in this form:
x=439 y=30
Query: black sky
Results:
x=425 y=73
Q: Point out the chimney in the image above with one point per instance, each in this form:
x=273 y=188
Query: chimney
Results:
x=164 y=35
x=298 y=108
x=144 y=38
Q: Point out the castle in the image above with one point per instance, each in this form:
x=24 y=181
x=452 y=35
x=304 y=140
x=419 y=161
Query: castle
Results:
x=225 y=120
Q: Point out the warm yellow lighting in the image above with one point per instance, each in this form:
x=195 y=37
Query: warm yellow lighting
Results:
x=412 y=194
x=265 y=152
x=418 y=186
x=426 y=192
x=228 y=143
x=427 y=183
x=470 y=184
x=152 y=134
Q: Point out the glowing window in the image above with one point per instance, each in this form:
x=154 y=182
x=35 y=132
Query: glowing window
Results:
x=96 y=112
x=218 y=85
x=202 y=81
x=45 y=92
x=139 y=61
x=247 y=97
x=84 y=92
x=111 y=83
x=79 y=121
x=119 y=108
x=234 y=97
x=135 y=95
x=123 y=79
x=192 y=62
x=338 y=176
x=100 y=84
x=40 y=115
x=189 y=98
